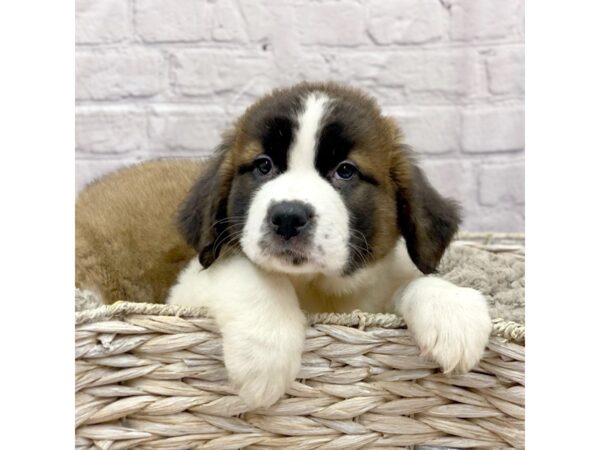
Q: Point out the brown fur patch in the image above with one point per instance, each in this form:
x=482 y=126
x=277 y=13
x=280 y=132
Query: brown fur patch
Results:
x=126 y=242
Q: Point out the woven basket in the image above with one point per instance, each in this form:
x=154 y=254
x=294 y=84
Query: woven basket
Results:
x=152 y=377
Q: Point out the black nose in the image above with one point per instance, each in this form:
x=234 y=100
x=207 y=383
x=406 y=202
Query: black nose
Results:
x=290 y=218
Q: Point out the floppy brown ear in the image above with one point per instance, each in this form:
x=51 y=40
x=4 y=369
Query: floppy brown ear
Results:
x=426 y=220
x=202 y=217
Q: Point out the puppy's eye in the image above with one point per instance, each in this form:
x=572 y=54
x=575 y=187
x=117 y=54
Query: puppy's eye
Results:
x=263 y=165
x=345 y=170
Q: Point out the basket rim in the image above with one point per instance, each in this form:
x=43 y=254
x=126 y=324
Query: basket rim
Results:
x=509 y=330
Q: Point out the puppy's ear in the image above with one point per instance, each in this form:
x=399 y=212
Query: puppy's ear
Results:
x=427 y=221
x=202 y=216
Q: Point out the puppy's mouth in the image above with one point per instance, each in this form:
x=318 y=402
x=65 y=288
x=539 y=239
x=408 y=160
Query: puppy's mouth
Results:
x=288 y=252
x=290 y=256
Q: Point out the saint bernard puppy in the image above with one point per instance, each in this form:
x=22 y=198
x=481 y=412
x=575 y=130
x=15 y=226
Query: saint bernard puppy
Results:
x=311 y=202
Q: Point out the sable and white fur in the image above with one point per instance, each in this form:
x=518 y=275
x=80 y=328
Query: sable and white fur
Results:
x=257 y=298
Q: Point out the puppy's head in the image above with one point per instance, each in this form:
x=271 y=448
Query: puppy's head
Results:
x=313 y=179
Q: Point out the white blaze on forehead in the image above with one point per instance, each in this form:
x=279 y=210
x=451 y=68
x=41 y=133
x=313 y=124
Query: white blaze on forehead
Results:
x=304 y=147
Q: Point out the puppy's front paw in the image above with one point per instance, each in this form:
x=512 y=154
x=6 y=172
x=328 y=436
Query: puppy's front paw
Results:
x=262 y=369
x=450 y=324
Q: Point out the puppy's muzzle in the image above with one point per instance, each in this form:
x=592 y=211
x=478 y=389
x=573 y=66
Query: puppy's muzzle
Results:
x=289 y=219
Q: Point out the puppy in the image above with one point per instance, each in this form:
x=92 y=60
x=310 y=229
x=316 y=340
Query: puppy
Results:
x=311 y=202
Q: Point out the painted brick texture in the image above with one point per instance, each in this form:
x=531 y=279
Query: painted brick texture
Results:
x=162 y=79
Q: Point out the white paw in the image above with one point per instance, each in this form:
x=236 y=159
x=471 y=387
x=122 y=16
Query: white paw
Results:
x=450 y=324
x=261 y=368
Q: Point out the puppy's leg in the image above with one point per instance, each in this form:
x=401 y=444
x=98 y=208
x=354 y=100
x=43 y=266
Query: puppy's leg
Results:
x=259 y=317
x=451 y=324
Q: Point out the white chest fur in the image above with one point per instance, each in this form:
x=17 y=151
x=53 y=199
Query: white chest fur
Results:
x=370 y=289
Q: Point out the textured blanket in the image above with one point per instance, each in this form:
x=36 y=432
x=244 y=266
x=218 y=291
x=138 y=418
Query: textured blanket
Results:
x=496 y=271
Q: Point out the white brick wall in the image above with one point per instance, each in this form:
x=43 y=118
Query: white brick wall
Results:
x=158 y=78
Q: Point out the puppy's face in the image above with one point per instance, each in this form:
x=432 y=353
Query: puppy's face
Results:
x=313 y=179
x=310 y=199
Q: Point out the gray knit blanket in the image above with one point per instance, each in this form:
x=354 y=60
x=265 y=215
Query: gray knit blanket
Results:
x=497 y=271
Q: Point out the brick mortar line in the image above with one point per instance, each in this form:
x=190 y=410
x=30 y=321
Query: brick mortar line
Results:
x=256 y=46
x=144 y=102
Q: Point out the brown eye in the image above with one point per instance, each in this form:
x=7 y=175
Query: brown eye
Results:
x=345 y=170
x=263 y=165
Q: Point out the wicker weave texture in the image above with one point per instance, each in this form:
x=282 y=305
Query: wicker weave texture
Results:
x=158 y=382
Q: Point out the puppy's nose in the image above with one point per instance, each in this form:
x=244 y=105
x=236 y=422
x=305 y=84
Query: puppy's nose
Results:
x=290 y=218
